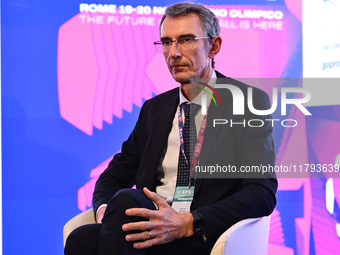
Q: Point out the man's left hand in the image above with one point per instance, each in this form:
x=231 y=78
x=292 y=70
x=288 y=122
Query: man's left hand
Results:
x=164 y=225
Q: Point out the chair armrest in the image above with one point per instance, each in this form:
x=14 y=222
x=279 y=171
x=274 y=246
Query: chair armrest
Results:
x=83 y=218
x=249 y=236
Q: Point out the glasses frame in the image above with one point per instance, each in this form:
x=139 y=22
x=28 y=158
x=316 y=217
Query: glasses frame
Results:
x=175 y=41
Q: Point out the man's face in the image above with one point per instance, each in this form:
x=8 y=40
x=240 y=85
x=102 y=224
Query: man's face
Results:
x=189 y=63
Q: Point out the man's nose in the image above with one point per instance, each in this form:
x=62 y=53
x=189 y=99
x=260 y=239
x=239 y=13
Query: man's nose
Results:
x=174 y=50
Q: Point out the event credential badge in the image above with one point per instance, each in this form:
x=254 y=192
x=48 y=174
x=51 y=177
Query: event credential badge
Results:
x=183 y=198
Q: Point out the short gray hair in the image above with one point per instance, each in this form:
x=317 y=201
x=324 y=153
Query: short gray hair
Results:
x=208 y=19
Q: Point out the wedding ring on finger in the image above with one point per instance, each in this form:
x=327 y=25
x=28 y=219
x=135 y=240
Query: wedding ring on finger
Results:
x=150 y=235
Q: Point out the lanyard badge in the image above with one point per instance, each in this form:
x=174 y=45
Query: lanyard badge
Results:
x=183 y=198
x=184 y=195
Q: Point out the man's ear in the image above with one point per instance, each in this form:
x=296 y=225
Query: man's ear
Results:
x=215 y=46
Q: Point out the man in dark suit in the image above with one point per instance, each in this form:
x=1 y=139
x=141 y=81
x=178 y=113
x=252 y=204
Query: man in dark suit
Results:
x=142 y=221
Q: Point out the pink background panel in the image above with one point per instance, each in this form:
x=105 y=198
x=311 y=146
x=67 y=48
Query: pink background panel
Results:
x=77 y=74
x=103 y=69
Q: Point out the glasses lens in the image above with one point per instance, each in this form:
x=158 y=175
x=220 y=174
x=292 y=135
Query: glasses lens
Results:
x=186 y=43
x=159 y=47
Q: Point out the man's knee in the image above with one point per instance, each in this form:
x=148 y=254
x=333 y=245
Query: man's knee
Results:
x=127 y=195
x=130 y=198
x=83 y=240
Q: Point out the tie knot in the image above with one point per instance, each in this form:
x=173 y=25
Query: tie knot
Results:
x=190 y=109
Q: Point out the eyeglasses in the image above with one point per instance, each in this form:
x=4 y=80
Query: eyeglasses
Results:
x=183 y=43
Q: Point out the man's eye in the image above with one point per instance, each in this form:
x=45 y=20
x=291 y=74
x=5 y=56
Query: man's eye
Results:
x=166 y=43
x=185 y=40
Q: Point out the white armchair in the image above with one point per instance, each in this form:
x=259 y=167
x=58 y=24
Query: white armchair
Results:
x=246 y=237
x=81 y=219
x=249 y=236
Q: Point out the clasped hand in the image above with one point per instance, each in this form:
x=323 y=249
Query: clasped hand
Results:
x=164 y=225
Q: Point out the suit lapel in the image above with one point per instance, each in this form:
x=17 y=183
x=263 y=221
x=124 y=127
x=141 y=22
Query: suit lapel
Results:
x=165 y=122
x=160 y=138
x=214 y=112
x=211 y=134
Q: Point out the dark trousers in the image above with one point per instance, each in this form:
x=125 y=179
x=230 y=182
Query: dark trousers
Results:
x=108 y=238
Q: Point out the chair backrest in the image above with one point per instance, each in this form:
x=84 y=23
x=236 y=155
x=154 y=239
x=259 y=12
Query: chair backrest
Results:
x=249 y=236
x=83 y=218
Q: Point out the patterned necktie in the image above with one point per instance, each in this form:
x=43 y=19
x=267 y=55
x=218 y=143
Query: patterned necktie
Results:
x=190 y=138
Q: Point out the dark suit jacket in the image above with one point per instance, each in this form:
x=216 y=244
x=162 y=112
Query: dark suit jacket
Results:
x=222 y=202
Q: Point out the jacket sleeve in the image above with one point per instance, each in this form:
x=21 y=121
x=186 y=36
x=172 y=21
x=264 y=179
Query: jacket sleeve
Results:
x=255 y=196
x=121 y=170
